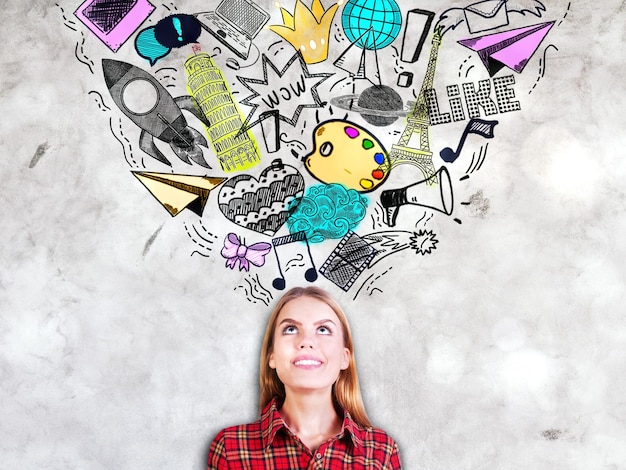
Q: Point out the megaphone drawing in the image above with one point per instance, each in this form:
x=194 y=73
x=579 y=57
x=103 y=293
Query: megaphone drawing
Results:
x=434 y=192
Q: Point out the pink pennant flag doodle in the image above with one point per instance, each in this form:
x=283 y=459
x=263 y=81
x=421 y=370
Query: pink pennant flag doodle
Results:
x=511 y=49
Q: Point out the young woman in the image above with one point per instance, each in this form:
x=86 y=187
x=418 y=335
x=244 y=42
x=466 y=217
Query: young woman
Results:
x=312 y=413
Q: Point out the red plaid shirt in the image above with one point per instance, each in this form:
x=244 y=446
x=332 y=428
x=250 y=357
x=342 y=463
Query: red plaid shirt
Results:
x=269 y=444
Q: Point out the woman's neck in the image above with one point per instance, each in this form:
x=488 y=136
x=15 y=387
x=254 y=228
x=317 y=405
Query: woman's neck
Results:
x=312 y=417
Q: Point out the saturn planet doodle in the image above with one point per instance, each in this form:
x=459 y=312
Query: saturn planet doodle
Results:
x=379 y=105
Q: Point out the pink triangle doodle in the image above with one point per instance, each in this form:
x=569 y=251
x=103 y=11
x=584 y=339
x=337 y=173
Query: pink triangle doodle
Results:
x=510 y=49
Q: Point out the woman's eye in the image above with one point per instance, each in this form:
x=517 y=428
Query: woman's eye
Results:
x=324 y=330
x=290 y=330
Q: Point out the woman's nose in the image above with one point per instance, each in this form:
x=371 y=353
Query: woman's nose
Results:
x=307 y=342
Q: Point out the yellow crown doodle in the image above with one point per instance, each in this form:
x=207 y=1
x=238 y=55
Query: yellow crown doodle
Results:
x=308 y=30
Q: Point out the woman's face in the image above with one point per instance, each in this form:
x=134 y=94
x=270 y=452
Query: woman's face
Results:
x=308 y=351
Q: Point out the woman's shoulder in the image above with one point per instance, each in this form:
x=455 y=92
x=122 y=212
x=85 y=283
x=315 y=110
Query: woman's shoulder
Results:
x=240 y=431
x=375 y=434
x=377 y=444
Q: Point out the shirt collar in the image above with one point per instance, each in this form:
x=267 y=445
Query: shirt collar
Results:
x=272 y=423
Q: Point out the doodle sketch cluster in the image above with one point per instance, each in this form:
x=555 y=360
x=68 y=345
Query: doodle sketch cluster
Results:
x=302 y=123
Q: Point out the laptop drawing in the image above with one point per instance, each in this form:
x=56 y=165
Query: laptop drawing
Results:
x=235 y=23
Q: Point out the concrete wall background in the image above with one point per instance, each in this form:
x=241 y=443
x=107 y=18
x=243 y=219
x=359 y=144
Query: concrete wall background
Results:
x=504 y=348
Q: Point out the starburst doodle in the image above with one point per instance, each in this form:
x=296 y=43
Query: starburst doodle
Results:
x=278 y=92
x=423 y=242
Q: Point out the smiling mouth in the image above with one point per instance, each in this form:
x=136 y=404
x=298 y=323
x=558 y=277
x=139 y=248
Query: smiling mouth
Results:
x=307 y=362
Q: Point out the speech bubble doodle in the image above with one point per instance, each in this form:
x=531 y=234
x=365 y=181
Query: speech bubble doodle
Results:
x=148 y=47
x=278 y=91
x=177 y=30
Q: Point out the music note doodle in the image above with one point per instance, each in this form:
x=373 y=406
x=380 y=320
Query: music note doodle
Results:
x=474 y=126
x=310 y=274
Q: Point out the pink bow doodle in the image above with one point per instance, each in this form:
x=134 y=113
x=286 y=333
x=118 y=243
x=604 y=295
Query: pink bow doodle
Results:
x=234 y=250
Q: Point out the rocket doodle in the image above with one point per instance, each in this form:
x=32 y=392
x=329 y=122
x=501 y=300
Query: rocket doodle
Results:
x=164 y=120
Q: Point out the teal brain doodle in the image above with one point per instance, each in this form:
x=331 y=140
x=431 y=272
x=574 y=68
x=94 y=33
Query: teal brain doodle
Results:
x=382 y=17
x=327 y=211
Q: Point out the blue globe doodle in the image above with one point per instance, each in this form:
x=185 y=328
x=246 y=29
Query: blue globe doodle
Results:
x=382 y=18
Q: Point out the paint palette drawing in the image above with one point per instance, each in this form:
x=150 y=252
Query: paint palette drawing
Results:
x=113 y=21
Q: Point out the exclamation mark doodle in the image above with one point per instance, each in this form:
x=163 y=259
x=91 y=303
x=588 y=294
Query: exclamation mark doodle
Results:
x=178 y=28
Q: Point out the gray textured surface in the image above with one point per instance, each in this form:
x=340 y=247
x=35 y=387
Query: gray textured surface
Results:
x=504 y=349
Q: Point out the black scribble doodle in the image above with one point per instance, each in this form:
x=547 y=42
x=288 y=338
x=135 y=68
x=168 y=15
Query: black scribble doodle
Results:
x=338 y=82
x=378 y=216
x=204 y=239
x=567 y=11
x=204 y=246
x=468 y=70
x=296 y=262
x=83 y=59
x=99 y=100
x=542 y=66
x=39 y=153
x=172 y=5
x=128 y=151
x=166 y=78
x=463 y=65
x=150 y=241
x=359 y=289
x=292 y=143
x=388 y=242
x=369 y=289
x=427 y=220
x=458 y=221
x=268 y=297
x=277 y=50
x=477 y=163
x=254 y=290
x=206 y=231
x=66 y=21
x=482 y=157
x=396 y=56
x=422 y=218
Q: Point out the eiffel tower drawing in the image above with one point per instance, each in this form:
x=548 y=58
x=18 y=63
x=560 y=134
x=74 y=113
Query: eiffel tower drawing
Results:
x=418 y=121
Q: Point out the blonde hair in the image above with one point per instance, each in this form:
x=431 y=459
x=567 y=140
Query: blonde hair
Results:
x=346 y=391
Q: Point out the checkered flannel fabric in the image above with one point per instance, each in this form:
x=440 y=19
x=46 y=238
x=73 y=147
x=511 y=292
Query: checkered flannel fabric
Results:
x=269 y=444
